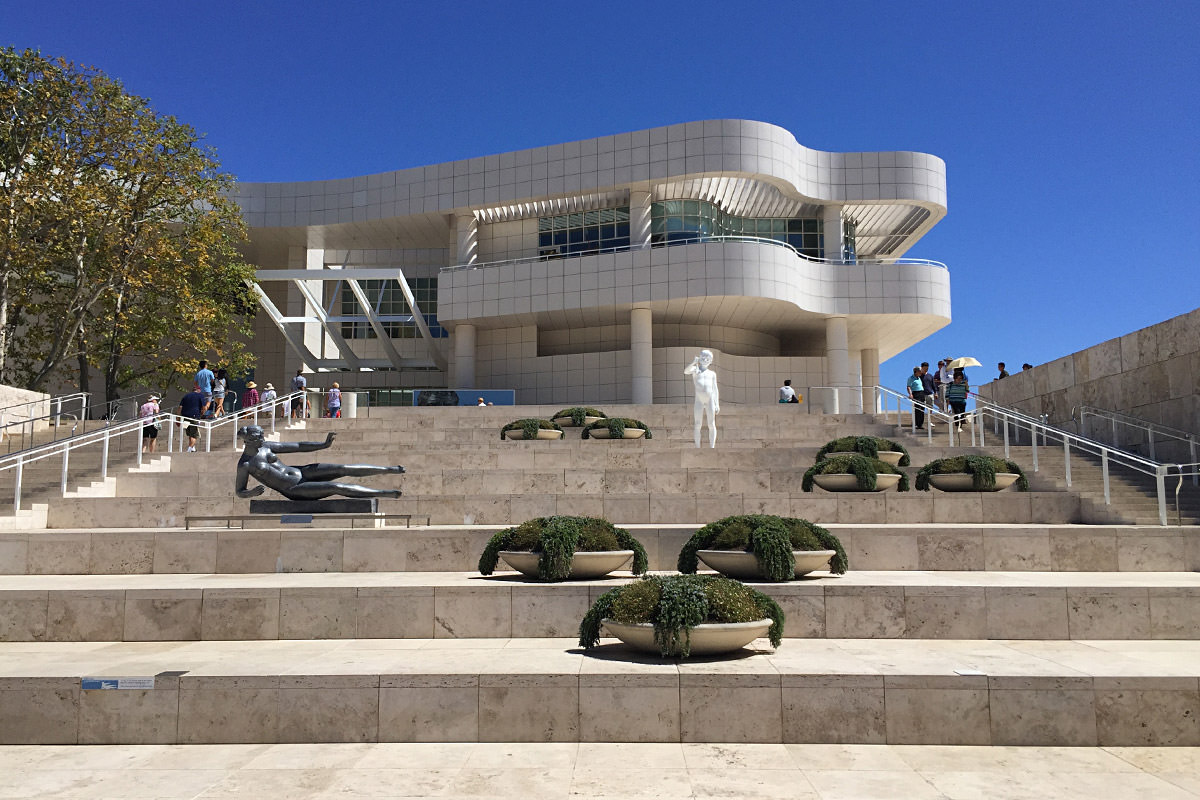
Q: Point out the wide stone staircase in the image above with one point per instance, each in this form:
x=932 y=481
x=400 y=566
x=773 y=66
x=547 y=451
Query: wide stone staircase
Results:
x=965 y=619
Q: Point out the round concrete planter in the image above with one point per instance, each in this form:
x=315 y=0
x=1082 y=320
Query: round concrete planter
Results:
x=710 y=638
x=542 y=433
x=742 y=565
x=886 y=456
x=849 y=483
x=567 y=422
x=962 y=482
x=630 y=433
x=584 y=565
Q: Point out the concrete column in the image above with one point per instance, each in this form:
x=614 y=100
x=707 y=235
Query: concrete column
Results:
x=314 y=335
x=835 y=232
x=837 y=362
x=641 y=346
x=639 y=219
x=464 y=356
x=869 y=358
x=466 y=239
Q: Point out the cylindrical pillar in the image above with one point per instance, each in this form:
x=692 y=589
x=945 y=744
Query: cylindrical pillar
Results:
x=464 y=356
x=869 y=357
x=837 y=361
x=641 y=347
x=466 y=239
x=834 y=232
x=639 y=219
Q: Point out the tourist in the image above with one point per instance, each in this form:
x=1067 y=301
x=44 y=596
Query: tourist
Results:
x=148 y=411
x=916 y=393
x=204 y=382
x=1026 y=366
x=269 y=397
x=956 y=396
x=1003 y=371
x=941 y=379
x=251 y=398
x=333 y=402
x=787 y=394
x=479 y=403
x=191 y=408
x=299 y=405
x=218 y=392
x=930 y=389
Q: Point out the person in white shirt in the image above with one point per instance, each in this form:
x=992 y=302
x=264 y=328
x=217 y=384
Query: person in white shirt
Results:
x=787 y=394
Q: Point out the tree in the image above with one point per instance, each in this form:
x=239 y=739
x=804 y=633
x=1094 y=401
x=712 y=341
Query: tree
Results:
x=120 y=245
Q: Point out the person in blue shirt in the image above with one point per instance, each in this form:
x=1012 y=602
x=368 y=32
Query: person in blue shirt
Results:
x=191 y=407
x=916 y=391
x=204 y=382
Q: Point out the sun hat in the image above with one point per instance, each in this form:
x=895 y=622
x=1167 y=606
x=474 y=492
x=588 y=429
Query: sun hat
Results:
x=154 y=398
x=251 y=385
x=269 y=386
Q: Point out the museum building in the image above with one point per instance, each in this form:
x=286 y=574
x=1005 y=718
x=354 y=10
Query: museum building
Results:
x=593 y=271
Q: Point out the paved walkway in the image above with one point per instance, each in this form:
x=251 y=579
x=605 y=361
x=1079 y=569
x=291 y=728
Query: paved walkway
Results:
x=605 y=771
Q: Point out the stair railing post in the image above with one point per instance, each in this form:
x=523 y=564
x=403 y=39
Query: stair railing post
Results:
x=17 y=484
x=1006 y=453
x=1034 y=447
x=138 y=445
x=1067 y=459
x=1104 y=472
x=208 y=436
x=1150 y=439
x=104 y=456
x=62 y=486
x=1160 y=474
x=1192 y=450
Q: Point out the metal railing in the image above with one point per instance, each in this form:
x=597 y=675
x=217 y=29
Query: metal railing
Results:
x=54 y=404
x=103 y=438
x=19 y=435
x=698 y=239
x=1132 y=433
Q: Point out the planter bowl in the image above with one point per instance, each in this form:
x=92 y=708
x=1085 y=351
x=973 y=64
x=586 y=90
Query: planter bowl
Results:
x=744 y=566
x=962 y=482
x=849 y=483
x=584 y=565
x=710 y=638
x=630 y=433
x=567 y=422
x=891 y=457
x=542 y=433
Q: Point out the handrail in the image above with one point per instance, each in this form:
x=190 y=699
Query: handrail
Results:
x=27 y=426
x=1080 y=414
x=104 y=436
x=57 y=401
x=698 y=239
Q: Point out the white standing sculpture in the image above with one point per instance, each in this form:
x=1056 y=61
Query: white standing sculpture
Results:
x=708 y=401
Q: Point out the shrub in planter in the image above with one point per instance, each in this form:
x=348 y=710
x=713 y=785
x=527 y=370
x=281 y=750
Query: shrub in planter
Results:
x=869 y=446
x=529 y=427
x=676 y=604
x=557 y=539
x=861 y=467
x=772 y=539
x=982 y=470
x=578 y=415
x=616 y=427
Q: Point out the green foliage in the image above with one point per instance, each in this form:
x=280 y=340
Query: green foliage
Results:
x=557 y=539
x=861 y=467
x=530 y=427
x=772 y=540
x=868 y=446
x=616 y=427
x=982 y=468
x=577 y=414
x=121 y=244
x=675 y=604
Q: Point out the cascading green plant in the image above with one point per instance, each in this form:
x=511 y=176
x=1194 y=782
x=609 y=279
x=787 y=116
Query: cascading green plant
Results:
x=868 y=446
x=530 y=427
x=578 y=414
x=557 y=539
x=616 y=427
x=675 y=604
x=772 y=539
x=982 y=470
x=863 y=468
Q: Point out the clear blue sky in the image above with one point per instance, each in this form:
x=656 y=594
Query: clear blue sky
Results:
x=1070 y=129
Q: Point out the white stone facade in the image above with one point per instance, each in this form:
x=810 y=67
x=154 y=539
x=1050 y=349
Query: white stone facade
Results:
x=586 y=326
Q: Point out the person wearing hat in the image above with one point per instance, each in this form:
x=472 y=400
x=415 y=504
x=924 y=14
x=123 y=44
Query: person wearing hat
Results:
x=250 y=398
x=268 y=397
x=148 y=411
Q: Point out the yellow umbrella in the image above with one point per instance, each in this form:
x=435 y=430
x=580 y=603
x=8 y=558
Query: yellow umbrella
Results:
x=965 y=361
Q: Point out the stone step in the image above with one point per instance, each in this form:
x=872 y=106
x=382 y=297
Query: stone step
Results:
x=622 y=509
x=407 y=605
x=1081 y=694
x=456 y=548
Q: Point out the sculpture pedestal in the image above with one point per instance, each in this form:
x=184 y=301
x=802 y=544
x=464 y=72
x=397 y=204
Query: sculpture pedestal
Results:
x=348 y=505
